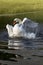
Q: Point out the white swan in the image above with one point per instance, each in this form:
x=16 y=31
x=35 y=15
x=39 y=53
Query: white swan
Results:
x=23 y=29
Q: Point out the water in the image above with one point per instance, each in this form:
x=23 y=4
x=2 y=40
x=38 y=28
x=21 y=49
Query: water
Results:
x=20 y=51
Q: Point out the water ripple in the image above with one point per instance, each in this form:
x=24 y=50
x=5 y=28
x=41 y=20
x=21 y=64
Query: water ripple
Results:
x=20 y=49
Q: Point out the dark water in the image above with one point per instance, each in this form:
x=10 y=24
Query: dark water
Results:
x=20 y=51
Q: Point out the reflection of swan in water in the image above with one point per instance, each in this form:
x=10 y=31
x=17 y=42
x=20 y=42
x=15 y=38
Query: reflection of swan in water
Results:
x=18 y=43
x=26 y=28
x=12 y=44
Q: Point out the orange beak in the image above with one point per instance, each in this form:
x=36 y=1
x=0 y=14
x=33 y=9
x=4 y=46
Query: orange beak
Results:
x=14 y=22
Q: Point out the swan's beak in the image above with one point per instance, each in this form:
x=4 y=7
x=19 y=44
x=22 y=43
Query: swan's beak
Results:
x=14 y=22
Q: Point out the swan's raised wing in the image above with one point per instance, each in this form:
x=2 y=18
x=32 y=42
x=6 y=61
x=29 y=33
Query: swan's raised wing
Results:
x=29 y=25
x=10 y=30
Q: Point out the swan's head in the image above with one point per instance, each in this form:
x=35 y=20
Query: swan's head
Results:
x=16 y=20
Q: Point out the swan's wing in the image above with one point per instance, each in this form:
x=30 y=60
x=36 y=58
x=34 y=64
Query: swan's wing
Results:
x=32 y=25
x=7 y=26
x=9 y=29
x=29 y=25
x=27 y=22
